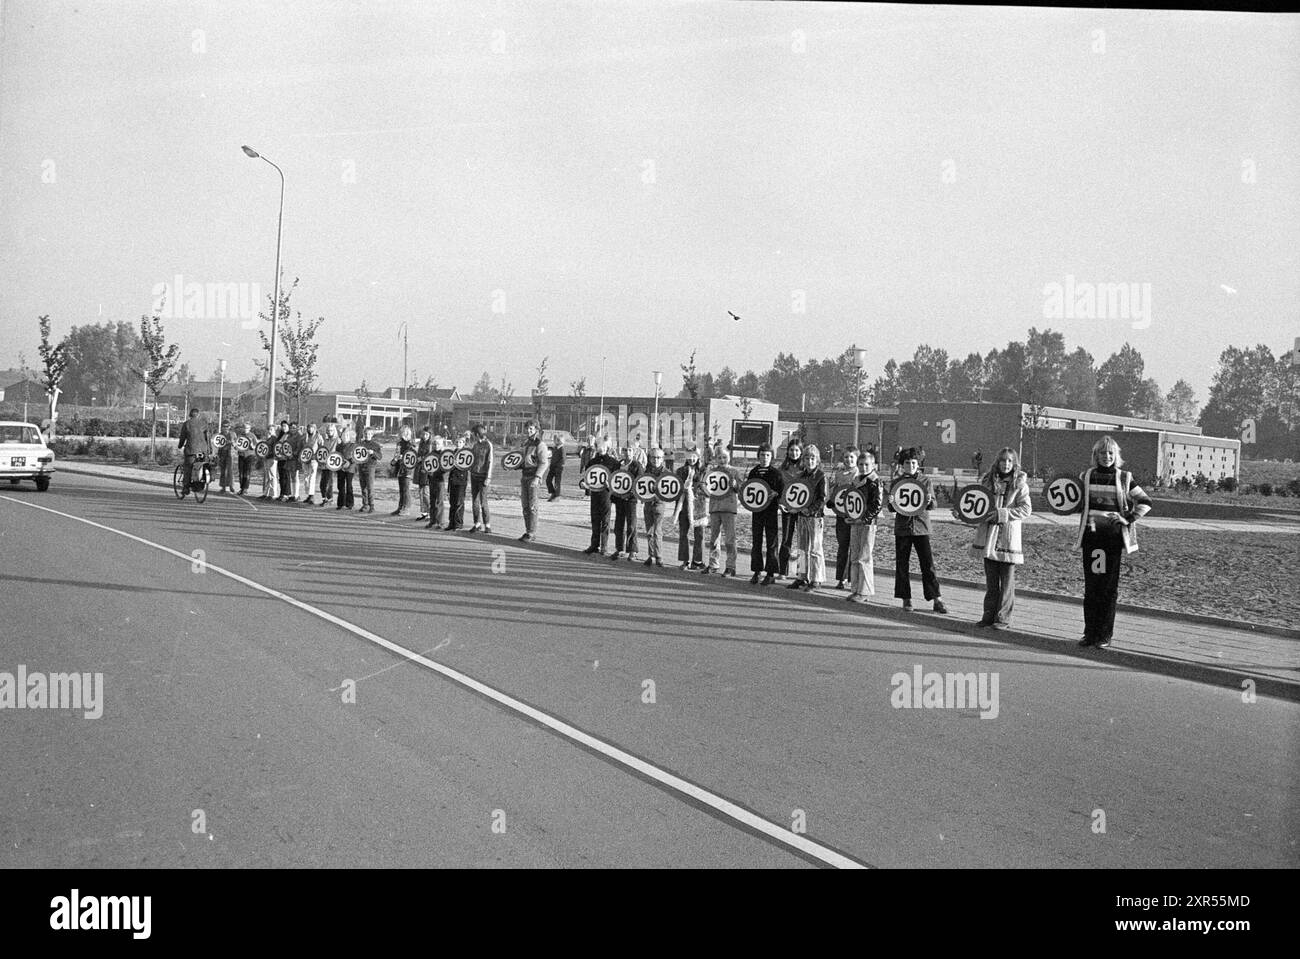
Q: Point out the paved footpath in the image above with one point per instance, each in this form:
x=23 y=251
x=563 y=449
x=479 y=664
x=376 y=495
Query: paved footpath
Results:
x=1218 y=652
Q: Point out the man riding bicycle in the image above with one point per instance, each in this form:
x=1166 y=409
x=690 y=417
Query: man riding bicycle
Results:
x=194 y=439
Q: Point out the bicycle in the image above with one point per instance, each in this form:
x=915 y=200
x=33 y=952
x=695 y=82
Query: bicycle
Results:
x=198 y=487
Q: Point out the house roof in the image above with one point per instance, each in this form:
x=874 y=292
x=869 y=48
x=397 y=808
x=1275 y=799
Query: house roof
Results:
x=9 y=377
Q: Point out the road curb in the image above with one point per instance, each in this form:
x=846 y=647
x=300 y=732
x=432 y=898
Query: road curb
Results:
x=1224 y=677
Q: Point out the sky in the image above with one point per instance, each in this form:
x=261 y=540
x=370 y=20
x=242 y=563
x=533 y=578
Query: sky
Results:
x=599 y=184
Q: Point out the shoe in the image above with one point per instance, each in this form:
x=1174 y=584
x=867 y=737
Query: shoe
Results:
x=706 y=571
x=1102 y=643
x=648 y=562
x=449 y=528
x=907 y=605
x=812 y=587
x=659 y=563
x=797 y=584
x=852 y=598
x=422 y=517
x=1000 y=625
x=613 y=557
x=588 y=551
x=432 y=526
x=631 y=557
x=396 y=512
x=983 y=622
x=340 y=506
x=324 y=502
x=753 y=580
x=860 y=599
x=768 y=580
x=729 y=572
x=487 y=529
x=684 y=566
x=939 y=607
x=840 y=584
x=1086 y=641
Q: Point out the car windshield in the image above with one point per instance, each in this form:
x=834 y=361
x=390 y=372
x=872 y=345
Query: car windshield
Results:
x=20 y=434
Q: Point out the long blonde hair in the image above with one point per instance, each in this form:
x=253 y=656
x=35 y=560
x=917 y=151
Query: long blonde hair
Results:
x=1107 y=442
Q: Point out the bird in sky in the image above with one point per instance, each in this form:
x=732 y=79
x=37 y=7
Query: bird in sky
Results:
x=733 y=316
x=1227 y=289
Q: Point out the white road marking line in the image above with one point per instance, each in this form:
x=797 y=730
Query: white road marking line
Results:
x=715 y=802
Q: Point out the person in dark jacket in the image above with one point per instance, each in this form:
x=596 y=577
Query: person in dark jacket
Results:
x=366 y=471
x=424 y=449
x=480 y=480
x=846 y=475
x=862 y=530
x=625 y=509
x=691 y=512
x=914 y=532
x=437 y=478
x=343 y=478
x=535 y=459
x=653 y=511
x=600 y=500
x=456 y=483
x=194 y=440
x=765 y=520
x=791 y=470
x=404 y=445
x=555 y=472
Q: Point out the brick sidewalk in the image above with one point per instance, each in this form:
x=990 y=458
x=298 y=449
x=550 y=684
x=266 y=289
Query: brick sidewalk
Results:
x=1186 y=647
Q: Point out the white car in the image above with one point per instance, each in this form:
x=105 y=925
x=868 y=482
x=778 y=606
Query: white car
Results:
x=24 y=454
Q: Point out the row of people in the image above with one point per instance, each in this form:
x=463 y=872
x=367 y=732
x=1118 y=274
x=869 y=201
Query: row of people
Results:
x=1111 y=504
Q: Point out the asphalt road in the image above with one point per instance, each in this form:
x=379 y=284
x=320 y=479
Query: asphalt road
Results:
x=770 y=740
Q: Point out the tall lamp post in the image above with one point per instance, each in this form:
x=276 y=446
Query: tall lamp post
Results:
x=275 y=302
x=221 y=390
x=600 y=413
x=659 y=376
x=859 y=361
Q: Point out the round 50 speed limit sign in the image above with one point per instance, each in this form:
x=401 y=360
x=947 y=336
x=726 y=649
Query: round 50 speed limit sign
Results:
x=333 y=462
x=464 y=459
x=321 y=455
x=306 y=455
x=973 y=504
x=620 y=484
x=907 y=497
x=756 y=495
x=219 y=441
x=360 y=453
x=447 y=460
x=838 y=502
x=283 y=451
x=717 y=483
x=855 y=505
x=1064 y=495
x=647 y=488
x=408 y=459
x=513 y=461
x=796 y=496
x=429 y=463
x=670 y=487
x=263 y=449
x=242 y=444
x=596 y=479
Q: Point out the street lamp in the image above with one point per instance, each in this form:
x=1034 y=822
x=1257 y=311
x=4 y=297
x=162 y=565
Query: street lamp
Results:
x=275 y=306
x=859 y=361
x=655 y=431
x=221 y=390
x=600 y=413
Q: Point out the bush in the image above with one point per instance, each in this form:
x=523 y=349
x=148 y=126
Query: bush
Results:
x=122 y=450
x=1228 y=484
x=1293 y=487
x=1265 y=489
x=166 y=455
x=1210 y=486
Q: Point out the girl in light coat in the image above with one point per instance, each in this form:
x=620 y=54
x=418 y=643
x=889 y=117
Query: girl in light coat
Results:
x=997 y=536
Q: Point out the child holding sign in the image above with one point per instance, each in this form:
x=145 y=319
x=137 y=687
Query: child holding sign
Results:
x=862 y=528
x=845 y=477
x=625 y=507
x=1112 y=505
x=653 y=510
x=764 y=560
x=914 y=531
x=721 y=481
x=997 y=535
x=689 y=512
x=599 y=501
x=812 y=524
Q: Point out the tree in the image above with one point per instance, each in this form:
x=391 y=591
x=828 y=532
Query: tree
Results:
x=158 y=369
x=54 y=363
x=1045 y=361
x=100 y=358
x=725 y=382
x=29 y=375
x=1079 y=381
x=924 y=377
x=504 y=393
x=784 y=384
x=1008 y=368
x=749 y=384
x=483 y=389
x=1034 y=420
x=286 y=293
x=690 y=379
x=578 y=387
x=966 y=379
x=300 y=348
x=1120 y=383
x=543 y=384
x=884 y=391
x=183 y=379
